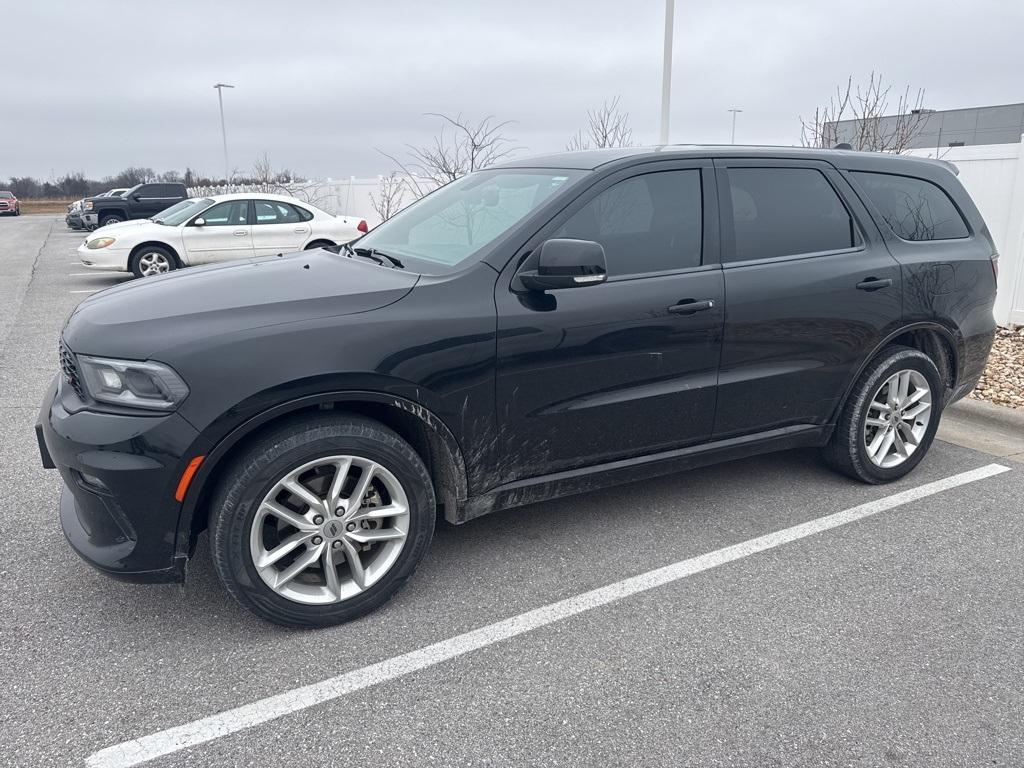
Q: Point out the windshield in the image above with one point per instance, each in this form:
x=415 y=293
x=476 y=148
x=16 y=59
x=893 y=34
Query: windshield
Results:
x=181 y=212
x=6 y=195
x=459 y=220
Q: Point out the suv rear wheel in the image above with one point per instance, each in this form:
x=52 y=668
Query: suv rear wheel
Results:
x=890 y=418
x=321 y=520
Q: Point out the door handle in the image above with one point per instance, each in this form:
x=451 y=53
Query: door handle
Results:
x=873 y=284
x=300 y=230
x=239 y=233
x=691 y=306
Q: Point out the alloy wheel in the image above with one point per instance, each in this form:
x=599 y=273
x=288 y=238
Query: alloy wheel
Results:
x=897 y=418
x=154 y=263
x=329 y=530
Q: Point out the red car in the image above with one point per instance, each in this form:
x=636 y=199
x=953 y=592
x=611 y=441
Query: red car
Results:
x=9 y=203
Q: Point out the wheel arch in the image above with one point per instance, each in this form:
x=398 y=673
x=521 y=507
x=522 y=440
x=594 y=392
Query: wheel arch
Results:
x=429 y=436
x=155 y=243
x=933 y=339
x=319 y=242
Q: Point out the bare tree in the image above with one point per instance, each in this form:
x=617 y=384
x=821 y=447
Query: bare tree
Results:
x=460 y=147
x=608 y=126
x=866 y=106
x=389 y=200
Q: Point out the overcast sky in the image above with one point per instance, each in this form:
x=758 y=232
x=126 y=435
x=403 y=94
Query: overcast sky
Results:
x=97 y=86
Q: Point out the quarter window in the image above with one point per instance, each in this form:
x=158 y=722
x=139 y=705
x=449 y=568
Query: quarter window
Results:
x=649 y=223
x=787 y=212
x=915 y=209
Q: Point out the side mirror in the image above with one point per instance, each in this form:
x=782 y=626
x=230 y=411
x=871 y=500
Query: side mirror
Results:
x=200 y=222
x=136 y=197
x=565 y=263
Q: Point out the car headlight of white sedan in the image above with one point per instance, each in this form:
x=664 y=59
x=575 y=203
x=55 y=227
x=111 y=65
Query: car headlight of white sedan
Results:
x=100 y=242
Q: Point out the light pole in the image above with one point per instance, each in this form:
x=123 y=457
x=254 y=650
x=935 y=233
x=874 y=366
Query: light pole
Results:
x=734 y=112
x=223 y=130
x=666 y=70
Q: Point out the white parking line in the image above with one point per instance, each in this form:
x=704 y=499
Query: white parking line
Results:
x=165 y=742
x=96 y=290
x=97 y=272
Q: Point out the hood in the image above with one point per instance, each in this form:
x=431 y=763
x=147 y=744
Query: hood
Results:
x=139 y=319
x=121 y=225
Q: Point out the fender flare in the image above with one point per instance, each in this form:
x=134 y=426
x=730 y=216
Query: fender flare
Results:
x=223 y=446
x=955 y=344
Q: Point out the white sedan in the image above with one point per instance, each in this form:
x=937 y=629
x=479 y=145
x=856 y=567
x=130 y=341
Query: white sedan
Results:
x=210 y=230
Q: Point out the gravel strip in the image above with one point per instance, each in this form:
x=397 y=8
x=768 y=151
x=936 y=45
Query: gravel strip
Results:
x=1003 y=380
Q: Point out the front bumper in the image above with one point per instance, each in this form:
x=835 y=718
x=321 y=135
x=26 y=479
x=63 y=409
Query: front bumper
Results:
x=125 y=524
x=74 y=220
x=104 y=258
x=91 y=219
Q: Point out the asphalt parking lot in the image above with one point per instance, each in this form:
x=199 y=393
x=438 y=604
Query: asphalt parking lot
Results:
x=891 y=636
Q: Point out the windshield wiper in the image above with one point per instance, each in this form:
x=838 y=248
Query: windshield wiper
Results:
x=378 y=256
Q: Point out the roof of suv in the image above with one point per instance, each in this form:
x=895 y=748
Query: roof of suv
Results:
x=591 y=159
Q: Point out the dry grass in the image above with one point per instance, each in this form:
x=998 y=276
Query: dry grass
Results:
x=46 y=205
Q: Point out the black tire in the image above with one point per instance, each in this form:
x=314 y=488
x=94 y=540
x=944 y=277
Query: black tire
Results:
x=110 y=219
x=138 y=265
x=318 y=244
x=254 y=473
x=846 y=451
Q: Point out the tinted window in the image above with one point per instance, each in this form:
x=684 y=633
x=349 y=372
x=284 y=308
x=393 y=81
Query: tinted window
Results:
x=649 y=223
x=273 y=212
x=230 y=214
x=303 y=213
x=787 y=211
x=915 y=209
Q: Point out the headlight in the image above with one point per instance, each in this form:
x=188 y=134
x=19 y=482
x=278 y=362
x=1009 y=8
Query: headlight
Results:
x=99 y=242
x=88 y=205
x=132 y=383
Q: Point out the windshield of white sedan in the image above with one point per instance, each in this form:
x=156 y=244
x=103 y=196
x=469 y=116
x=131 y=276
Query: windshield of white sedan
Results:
x=179 y=213
x=463 y=217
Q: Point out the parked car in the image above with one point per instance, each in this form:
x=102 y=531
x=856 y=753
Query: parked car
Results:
x=541 y=328
x=215 y=229
x=73 y=218
x=9 y=203
x=139 y=202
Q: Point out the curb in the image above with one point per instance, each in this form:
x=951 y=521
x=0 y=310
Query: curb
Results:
x=984 y=412
x=983 y=426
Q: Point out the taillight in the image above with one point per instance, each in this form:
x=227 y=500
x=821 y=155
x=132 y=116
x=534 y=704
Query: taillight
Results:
x=995 y=266
x=362 y=226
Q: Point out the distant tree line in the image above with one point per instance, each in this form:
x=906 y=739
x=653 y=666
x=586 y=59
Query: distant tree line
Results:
x=76 y=185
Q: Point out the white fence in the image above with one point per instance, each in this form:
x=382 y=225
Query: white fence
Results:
x=994 y=176
x=351 y=196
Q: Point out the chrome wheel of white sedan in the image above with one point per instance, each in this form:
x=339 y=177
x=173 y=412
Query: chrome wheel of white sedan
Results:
x=329 y=529
x=898 y=418
x=154 y=263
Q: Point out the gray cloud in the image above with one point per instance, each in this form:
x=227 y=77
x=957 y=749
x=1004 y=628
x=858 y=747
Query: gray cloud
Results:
x=106 y=84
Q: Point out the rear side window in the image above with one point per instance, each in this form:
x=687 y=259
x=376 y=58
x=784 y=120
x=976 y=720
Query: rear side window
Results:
x=649 y=223
x=273 y=212
x=913 y=208
x=787 y=212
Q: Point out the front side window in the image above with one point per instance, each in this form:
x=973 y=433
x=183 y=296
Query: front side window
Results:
x=230 y=214
x=787 y=212
x=458 y=221
x=915 y=209
x=649 y=223
x=273 y=212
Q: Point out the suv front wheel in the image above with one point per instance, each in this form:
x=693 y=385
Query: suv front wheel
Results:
x=321 y=520
x=890 y=418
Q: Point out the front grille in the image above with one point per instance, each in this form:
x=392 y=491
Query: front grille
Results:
x=70 y=369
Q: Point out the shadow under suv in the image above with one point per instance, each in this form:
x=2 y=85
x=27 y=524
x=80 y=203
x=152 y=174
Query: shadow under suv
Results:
x=542 y=328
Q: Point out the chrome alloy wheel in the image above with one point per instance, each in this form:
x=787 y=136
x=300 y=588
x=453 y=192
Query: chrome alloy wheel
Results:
x=329 y=529
x=897 y=419
x=154 y=263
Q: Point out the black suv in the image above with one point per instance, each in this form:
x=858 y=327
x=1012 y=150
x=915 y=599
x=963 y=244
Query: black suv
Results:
x=140 y=202
x=542 y=328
